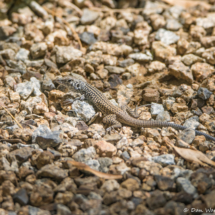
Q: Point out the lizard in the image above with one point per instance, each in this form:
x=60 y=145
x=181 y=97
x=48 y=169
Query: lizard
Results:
x=115 y=116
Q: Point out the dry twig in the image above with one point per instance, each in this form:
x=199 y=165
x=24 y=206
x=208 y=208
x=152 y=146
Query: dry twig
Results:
x=12 y=117
x=84 y=167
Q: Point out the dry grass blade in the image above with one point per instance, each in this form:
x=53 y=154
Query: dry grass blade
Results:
x=191 y=155
x=66 y=23
x=12 y=117
x=82 y=166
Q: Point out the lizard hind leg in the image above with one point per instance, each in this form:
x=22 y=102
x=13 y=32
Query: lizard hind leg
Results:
x=131 y=112
x=111 y=121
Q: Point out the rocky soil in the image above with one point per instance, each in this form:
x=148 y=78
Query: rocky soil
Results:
x=150 y=54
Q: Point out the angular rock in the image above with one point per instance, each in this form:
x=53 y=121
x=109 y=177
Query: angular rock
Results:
x=156 y=108
x=141 y=57
x=66 y=53
x=167 y=37
x=89 y=16
x=38 y=50
x=21 y=197
x=164 y=183
x=83 y=110
x=164 y=160
x=204 y=93
x=106 y=148
x=180 y=71
x=88 y=38
x=162 y=51
x=85 y=154
x=130 y=184
x=51 y=139
x=185 y=185
x=53 y=172
x=201 y=70
x=187 y=135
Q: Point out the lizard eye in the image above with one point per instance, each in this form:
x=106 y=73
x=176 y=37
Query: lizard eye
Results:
x=77 y=85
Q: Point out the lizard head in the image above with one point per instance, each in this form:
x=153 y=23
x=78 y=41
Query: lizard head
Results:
x=71 y=83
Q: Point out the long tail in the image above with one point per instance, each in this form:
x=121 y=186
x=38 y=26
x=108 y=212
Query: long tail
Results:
x=160 y=124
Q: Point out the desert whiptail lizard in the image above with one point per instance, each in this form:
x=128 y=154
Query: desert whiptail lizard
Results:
x=114 y=115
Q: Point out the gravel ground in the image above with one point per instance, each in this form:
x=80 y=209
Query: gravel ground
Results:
x=149 y=54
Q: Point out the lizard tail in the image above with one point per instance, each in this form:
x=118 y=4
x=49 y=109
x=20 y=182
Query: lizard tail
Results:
x=160 y=124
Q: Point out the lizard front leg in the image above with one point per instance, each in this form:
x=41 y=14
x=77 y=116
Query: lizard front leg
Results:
x=70 y=100
x=112 y=122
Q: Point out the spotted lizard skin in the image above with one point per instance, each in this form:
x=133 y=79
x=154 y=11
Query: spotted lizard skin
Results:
x=115 y=115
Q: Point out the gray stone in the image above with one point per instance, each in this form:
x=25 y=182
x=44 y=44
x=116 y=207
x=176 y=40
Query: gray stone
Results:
x=48 y=84
x=204 y=93
x=115 y=69
x=206 y=23
x=176 y=11
x=63 y=210
x=94 y=164
x=66 y=53
x=34 y=63
x=156 y=109
x=88 y=38
x=83 y=110
x=84 y=155
x=125 y=63
x=22 y=54
x=88 y=16
x=36 y=86
x=192 y=122
x=163 y=116
x=38 y=50
x=186 y=173
x=16 y=65
x=141 y=57
x=164 y=160
x=38 y=9
x=104 y=164
x=187 y=135
x=24 y=89
x=125 y=156
x=40 y=130
x=50 y=139
x=173 y=25
x=185 y=185
x=21 y=197
x=167 y=37
x=152 y=8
